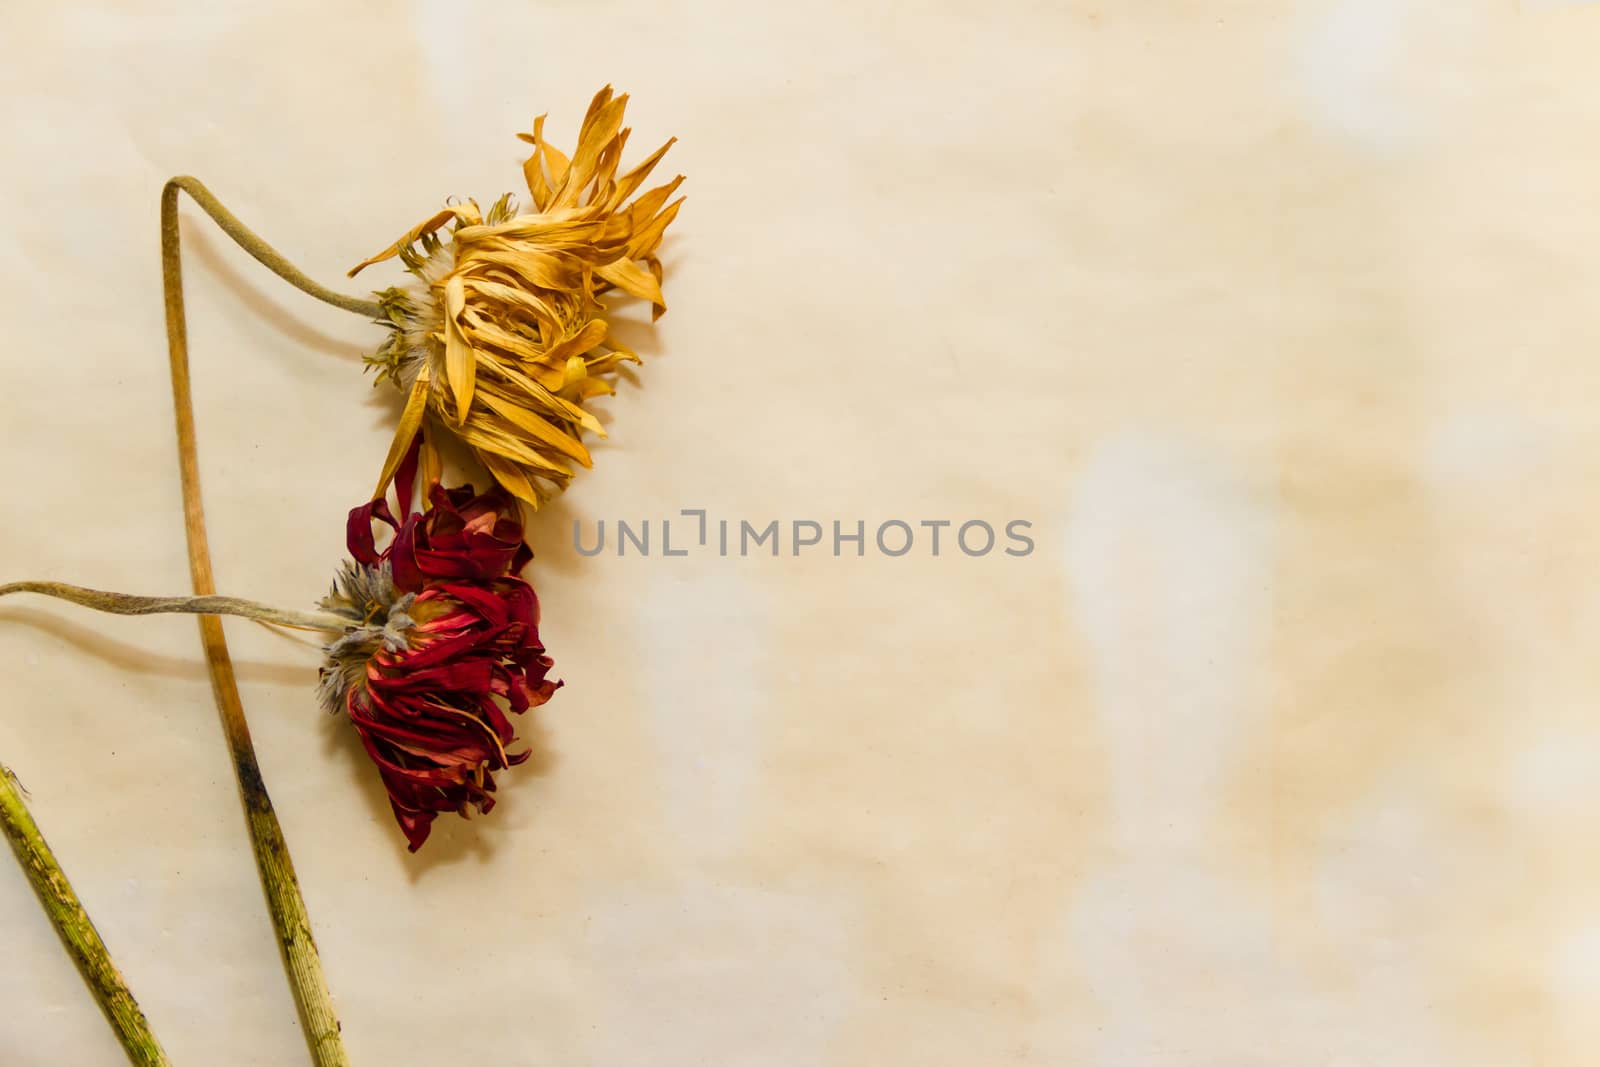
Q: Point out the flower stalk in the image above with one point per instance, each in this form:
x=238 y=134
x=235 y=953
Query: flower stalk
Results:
x=245 y=238
x=129 y=604
x=285 y=904
x=82 y=941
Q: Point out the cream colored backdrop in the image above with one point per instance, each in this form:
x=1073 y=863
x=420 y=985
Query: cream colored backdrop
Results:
x=1275 y=320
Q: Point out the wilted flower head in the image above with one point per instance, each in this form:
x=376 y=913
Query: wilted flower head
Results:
x=443 y=641
x=500 y=337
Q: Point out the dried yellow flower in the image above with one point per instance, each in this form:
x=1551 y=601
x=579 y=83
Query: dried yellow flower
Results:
x=501 y=338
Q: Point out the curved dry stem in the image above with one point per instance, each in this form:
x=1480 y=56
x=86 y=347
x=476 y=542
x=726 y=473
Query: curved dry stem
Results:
x=129 y=604
x=251 y=242
x=284 y=902
x=78 y=935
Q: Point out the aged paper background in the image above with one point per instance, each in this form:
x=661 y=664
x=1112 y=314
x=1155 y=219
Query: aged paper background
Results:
x=1275 y=320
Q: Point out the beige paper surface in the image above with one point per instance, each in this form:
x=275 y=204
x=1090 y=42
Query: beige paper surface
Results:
x=1275 y=321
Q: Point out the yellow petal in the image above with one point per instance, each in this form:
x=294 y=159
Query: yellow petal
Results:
x=577 y=371
x=410 y=423
x=607 y=361
x=411 y=237
x=633 y=279
x=593 y=332
x=599 y=126
x=483 y=435
x=460 y=366
x=543 y=397
x=635 y=177
x=486 y=290
x=533 y=166
x=557 y=163
x=586 y=388
x=540 y=429
x=539 y=269
x=510 y=475
x=647 y=237
x=430 y=468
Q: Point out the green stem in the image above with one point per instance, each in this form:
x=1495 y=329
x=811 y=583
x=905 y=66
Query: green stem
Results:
x=285 y=904
x=128 y=604
x=77 y=932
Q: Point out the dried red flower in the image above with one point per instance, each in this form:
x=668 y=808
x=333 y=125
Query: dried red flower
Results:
x=444 y=641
